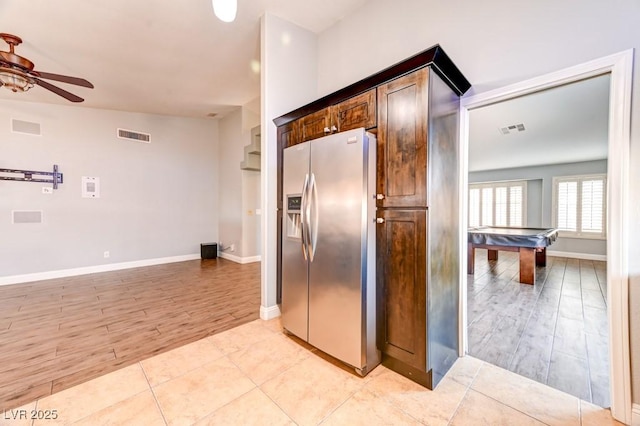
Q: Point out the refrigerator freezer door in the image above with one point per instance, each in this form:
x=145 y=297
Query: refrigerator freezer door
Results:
x=295 y=293
x=338 y=269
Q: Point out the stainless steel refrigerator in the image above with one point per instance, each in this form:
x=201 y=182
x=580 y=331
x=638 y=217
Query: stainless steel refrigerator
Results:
x=328 y=246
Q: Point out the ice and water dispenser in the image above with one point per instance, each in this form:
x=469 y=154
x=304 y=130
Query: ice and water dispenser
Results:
x=294 y=225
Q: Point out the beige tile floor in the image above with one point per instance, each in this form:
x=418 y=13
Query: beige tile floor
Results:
x=254 y=374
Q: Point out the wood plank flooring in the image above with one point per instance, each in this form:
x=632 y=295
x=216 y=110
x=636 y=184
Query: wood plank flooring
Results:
x=554 y=332
x=55 y=334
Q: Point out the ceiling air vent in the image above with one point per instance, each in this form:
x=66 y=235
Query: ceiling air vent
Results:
x=134 y=136
x=512 y=129
x=26 y=127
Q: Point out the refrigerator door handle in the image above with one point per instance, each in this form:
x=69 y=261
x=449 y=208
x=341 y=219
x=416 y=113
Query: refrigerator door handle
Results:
x=313 y=217
x=303 y=214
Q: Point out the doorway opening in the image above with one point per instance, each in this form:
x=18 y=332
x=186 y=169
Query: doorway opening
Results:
x=618 y=67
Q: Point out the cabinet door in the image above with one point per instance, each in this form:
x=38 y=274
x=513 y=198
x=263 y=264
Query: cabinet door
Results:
x=313 y=126
x=402 y=286
x=288 y=134
x=359 y=111
x=402 y=141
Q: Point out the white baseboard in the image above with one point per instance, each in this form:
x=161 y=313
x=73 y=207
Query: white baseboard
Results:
x=271 y=312
x=583 y=256
x=62 y=273
x=635 y=415
x=239 y=259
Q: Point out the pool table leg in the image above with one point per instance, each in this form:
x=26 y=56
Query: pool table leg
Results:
x=541 y=256
x=527 y=265
x=492 y=254
x=471 y=257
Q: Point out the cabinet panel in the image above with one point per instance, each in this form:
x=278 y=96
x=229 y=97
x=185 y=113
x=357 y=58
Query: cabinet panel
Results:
x=313 y=126
x=288 y=135
x=402 y=284
x=359 y=111
x=402 y=141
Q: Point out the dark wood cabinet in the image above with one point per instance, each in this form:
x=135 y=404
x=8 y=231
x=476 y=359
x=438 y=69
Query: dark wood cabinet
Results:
x=402 y=283
x=355 y=112
x=412 y=106
x=315 y=125
x=417 y=260
x=402 y=141
x=288 y=135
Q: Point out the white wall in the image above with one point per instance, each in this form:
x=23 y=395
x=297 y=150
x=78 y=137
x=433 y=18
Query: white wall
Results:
x=251 y=186
x=237 y=190
x=495 y=43
x=289 y=80
x=251 y=238
x=230 y=181
x=157 y=200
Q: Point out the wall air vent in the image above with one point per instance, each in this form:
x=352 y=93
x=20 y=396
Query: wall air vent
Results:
x=134 y=136
x=514 y=128
x=26 y=216
x=26 y=127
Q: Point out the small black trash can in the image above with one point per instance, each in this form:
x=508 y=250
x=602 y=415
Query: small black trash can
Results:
x=208 y=250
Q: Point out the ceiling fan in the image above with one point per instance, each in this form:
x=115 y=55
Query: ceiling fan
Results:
x=17 y=73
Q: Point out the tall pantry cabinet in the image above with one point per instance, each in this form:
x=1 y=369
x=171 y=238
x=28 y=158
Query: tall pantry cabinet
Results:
x=412 y=106
x=418 y=226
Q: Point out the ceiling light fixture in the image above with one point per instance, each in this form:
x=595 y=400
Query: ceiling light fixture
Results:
x=14 y=80
x=225 y=10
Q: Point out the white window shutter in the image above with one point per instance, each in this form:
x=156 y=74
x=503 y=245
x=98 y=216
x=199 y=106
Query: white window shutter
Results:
x=567 y=206
x=516 y=205
x=474 y=207
x=501 y=206
x=592 y=206
x=487 y=206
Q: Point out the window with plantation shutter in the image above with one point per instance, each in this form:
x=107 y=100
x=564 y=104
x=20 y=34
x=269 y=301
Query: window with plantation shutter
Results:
x=580 y=205
x=497 y=204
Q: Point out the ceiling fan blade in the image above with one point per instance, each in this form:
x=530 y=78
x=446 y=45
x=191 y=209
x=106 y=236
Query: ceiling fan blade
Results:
x=64 y=79
x=58 y=91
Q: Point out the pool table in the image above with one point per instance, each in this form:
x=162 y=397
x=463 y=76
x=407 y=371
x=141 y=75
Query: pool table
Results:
x=531 y=243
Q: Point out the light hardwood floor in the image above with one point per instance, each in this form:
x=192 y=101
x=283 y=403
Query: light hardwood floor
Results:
x=554 y=332
x=58 y=333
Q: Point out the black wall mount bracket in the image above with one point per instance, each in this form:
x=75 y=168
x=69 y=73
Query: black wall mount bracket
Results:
x=33 y=176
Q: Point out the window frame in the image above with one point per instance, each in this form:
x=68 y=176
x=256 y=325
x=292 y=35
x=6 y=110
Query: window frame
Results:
x=493 y=185
x=579 y=233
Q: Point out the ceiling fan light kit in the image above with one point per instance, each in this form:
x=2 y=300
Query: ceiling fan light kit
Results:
x=14 y=80
x=17 y=73
x=225 y=10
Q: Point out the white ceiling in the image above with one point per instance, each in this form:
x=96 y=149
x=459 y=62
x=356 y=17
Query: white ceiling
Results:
x=155 y=56
x=563 y=125
x=176 y=58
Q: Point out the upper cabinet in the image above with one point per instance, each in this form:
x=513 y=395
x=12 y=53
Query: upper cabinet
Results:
x=314 y=125
x=359 y=111
x=288 y=135
x=355 y=112
x=402 y=141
